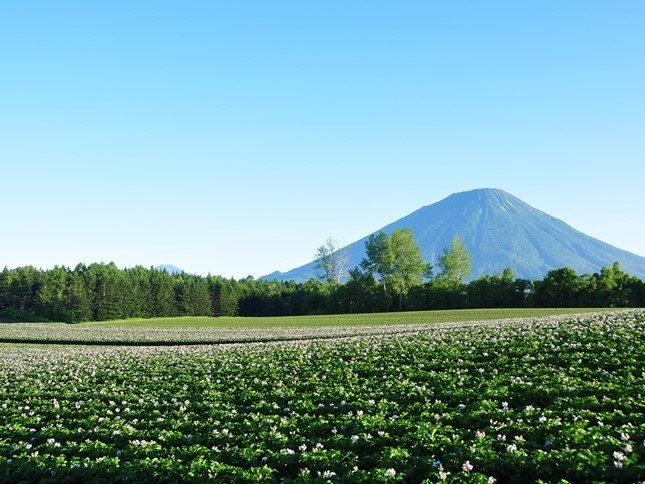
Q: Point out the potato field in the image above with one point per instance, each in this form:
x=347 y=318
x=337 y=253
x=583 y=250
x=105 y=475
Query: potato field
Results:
x=539 y=399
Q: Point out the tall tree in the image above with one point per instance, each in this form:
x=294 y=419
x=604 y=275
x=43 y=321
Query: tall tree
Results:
x=377 y=260
x=560 y=288
x=53 y=295
x=498 y=291
x=109 y=292
x=224 y=294
x=163 y=294
x=454 y=263
x=360 y=294
x=80 y=306
x=331 y=259
x=397 y=261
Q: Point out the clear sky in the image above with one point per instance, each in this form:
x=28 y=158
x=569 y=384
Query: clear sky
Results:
x=233 y=138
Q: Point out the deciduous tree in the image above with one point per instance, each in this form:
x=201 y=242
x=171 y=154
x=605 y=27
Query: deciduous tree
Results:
x=331 y=259
x=396 y=260
x=454 y=263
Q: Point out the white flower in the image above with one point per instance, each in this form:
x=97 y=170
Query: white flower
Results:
x=628 y=449
x=618 y=464
x=619 y=456
x=390 y=472
x=354 y=438
x=480 y=434
x=302 y=448
x=624 y=436
x=492 y=480
x=328 y=474
x=511 y=448
x=467 y=466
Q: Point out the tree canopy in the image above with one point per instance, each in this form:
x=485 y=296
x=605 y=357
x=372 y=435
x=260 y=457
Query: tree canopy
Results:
x=454 y=263
x=393 y=266
x=396 y=260
x=331 y=259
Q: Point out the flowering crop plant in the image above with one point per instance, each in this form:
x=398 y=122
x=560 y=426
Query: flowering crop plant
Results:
x=536 y=400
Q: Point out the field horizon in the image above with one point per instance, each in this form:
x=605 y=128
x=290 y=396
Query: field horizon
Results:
x=355 y=319
x=205 y=330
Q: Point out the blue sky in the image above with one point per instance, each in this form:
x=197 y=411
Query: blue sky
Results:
x=233 y=138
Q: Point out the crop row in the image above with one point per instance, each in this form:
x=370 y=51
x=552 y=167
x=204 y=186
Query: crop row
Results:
x=546 y=399
x=173 y=333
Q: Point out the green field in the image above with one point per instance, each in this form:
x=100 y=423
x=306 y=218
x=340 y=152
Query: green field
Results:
x=544 y=398
x=413 y=317
x=206 y=330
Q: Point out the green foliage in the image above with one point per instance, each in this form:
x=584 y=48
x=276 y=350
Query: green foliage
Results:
x=101 y=292
x=559 y=288
x=498 y=291
x=331 y=259
x=361 y=294
x=556 y=399
x=397 y=261
x=454 y=263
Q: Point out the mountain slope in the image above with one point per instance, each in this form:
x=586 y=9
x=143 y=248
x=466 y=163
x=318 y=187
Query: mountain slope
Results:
x=170 y=269
x=500 y=231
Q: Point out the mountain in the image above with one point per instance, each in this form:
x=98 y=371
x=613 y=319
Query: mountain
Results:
x=500 y=231
x=170 y=269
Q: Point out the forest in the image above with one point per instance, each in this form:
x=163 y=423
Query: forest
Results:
x=101 y=291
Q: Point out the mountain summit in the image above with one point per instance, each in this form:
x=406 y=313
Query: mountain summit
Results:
x=170 y=269
x=500 y=231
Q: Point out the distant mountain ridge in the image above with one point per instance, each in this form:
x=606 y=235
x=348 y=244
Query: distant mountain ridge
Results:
x=170 y=269
x=500 y=231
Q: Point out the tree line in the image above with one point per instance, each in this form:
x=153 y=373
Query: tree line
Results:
x=392 y=276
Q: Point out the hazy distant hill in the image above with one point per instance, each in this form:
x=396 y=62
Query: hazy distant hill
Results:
x=170 y=269
x=500 y=231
